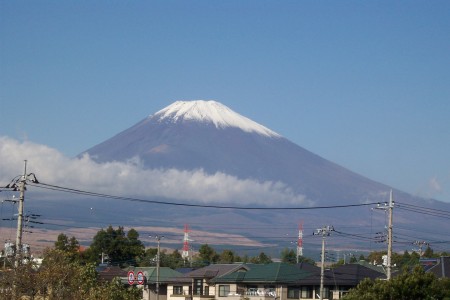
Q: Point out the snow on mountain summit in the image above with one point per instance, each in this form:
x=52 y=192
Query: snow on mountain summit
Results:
x=212 y=112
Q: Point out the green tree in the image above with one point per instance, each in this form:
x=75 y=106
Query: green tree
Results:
x=288 y=256
x=19 y=282
x=149 y=258
x=429 y=253
x=61 y=277
x=262 y=258
x=114 y=290
x=121 y=249
x=207 y=255
x=245 y=259
x=64 y=278
x=408 y=285
x=134 y=246
x=306 y=259
x=376 y=257
x=405 y=258
x=227 y=256
x=71 y=246
x=174 y=260
x=408 y=260
x=353 y=259
x=62 y=242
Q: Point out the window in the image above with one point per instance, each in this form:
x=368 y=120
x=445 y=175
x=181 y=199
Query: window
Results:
x=326 y=292
x=293 y=292
x=178 y=290
x=307 y=292
x=198 y=287
x=224 y=290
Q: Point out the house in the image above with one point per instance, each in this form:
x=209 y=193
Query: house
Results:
x=438 y=266
x=336 y=282
x=108 y=272
x=278 y=281
x=155 y=285
x=197 y=284
x=259 y=281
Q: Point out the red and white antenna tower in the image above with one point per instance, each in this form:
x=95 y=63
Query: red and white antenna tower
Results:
x=300 y=240
x=185 y=253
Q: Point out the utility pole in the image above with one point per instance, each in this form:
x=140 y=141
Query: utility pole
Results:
x=390 y=209
x=18 y=184
x=324 y=232
x=390 y=225
x=158 y=239
x=20 y=217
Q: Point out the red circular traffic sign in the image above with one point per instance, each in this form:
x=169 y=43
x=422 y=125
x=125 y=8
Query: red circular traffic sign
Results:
x=140 y=277
x=131 y=277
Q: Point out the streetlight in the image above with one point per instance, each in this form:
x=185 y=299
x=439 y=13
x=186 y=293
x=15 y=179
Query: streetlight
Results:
x=158 y=239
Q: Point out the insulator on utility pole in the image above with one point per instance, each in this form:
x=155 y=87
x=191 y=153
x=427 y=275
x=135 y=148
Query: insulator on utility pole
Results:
x=420 y=244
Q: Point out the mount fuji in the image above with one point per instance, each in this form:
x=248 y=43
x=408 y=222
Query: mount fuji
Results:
x=207 y=135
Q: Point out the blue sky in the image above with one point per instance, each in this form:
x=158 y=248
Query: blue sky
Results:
x=365 y=84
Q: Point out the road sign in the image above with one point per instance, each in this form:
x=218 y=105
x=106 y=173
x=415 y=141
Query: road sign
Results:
x=131 y=277
x=140 y=277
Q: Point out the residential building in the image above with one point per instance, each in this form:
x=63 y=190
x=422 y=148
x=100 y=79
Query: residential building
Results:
x=278 y=281
x=150 y=290
x=438 y=266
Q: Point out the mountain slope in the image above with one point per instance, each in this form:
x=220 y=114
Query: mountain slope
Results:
x=208 y=135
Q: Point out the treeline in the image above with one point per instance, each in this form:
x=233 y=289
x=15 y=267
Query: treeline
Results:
x=62 y=275
x=68 y=273
x=122 y=248
x=117 y=247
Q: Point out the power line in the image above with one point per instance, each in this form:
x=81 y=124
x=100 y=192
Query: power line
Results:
x=100 y=195
x=424 y=210
x=407 y=207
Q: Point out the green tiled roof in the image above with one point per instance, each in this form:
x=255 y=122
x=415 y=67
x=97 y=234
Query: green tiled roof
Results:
x=165 y=274
x=264 y=273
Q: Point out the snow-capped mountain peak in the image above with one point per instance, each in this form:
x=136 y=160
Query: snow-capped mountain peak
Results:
x=212 y=112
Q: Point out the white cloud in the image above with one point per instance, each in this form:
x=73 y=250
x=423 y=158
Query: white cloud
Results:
x=125 y=179
x=434 y=185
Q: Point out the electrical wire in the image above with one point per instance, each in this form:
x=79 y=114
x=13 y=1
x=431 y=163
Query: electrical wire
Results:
x=428 y=213
x=424 y=210
x=100 y=195
x=402 y=206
